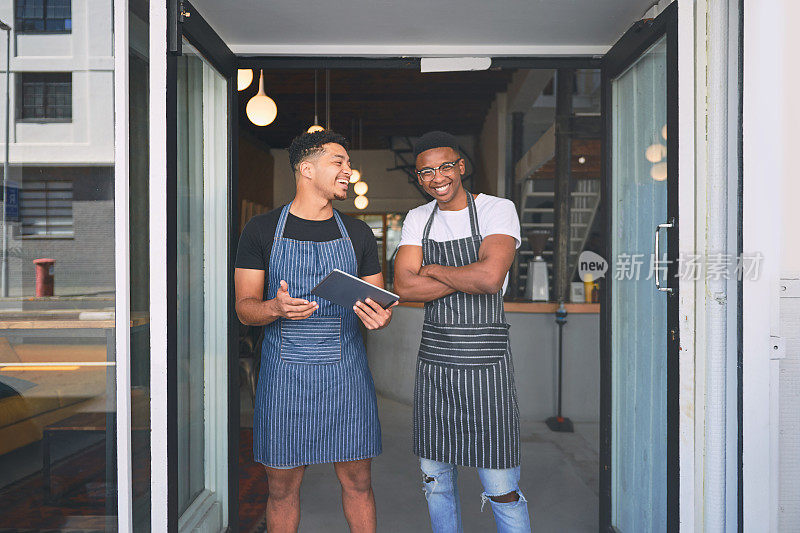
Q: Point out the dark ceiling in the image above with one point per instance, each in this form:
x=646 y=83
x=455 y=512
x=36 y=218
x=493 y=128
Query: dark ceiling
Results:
x=387 y=102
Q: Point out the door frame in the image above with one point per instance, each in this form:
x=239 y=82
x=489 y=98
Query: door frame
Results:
x=163 y=257
x=164 y=371
x=641 y=36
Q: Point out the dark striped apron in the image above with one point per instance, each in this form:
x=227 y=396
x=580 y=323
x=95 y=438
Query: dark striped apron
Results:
x=315 y=401
x=465 y=402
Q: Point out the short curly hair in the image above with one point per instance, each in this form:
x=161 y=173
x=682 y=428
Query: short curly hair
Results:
x=309 y=145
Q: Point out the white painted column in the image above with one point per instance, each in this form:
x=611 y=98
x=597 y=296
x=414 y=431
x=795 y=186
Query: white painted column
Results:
x=764 y=147
x=158 y=266
x=122 y=270
x=687 y=245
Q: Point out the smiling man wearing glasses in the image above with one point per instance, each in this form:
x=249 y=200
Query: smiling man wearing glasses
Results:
x=455 y=253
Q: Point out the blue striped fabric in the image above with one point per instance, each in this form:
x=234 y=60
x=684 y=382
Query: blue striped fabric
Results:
x=311 y=341
x=465 y=401
x=315 y=400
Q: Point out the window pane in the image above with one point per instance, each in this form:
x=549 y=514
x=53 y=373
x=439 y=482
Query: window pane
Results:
x=57 y=369
x=43 y=15
x=139 y=228
x=45 y=95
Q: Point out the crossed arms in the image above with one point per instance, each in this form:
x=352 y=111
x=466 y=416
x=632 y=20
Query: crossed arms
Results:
x=417 y=283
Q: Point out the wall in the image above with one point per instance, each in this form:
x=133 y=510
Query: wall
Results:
x=787 y=500
x=84 y=262
x=492 y=149
x=392 y=354
x=770 y=219
x=790 y=108
x=389 y=192
x=256 y=167
x=87 y=53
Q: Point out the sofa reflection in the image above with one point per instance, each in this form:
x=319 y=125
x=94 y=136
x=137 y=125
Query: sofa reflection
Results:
x=43 y=384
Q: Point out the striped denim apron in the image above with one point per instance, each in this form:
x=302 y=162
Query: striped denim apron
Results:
x=465 y=402
x=315 y=401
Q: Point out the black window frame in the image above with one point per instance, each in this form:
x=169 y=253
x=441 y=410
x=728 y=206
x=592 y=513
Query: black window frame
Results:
x=48 y=79
x=22 y=24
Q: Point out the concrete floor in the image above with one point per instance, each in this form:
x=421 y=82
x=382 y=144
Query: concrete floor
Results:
x=559 y=479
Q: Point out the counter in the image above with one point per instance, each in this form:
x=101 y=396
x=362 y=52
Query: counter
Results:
x=533 y=307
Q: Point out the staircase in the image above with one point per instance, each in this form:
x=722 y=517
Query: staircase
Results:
x=536 y=211
x=403 y=150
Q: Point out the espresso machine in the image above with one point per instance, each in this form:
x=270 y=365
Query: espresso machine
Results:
x=537 y=285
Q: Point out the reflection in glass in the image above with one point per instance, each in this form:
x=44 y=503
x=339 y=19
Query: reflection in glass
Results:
x=139 y=228
x=638 y=351
x=57 y=338
x=201 y=335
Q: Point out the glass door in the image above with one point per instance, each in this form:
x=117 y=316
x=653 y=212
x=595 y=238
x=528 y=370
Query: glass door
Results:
x=639 y=385
x=201 y=220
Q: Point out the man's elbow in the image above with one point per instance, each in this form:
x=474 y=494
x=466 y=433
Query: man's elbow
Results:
x=243 y=316
x=400 y=287
x=491 y=284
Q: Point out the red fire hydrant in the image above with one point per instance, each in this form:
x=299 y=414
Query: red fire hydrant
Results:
x=44 y=277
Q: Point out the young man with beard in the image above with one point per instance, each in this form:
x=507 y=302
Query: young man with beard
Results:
x=455 y=253
x=315 y=401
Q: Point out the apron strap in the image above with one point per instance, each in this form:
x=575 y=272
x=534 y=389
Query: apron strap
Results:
x=282 y=221
x=428 y=224
x=339 y=222
x=473 y=215
x=285 y=214
x=473 y=218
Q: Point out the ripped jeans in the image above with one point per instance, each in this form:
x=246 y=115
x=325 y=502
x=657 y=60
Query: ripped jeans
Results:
x=444 y=505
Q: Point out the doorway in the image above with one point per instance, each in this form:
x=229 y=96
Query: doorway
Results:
x=493 y=182
x=364 y=102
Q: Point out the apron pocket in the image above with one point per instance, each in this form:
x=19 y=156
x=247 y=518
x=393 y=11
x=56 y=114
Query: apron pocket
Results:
x=313 y=341
x=463 y=345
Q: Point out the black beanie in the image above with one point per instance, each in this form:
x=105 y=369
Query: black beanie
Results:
x=435 y=139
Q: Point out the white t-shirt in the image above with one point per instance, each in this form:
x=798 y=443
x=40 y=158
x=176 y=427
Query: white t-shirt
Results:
x=495 y=216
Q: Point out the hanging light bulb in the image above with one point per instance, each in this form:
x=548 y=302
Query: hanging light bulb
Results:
x=582 y=160
x=361 y=202
x=244 y=77
x=361 y=188
x=316 y=127
x=655 y=152
x=356 y=175
x=261 y=109
x=659 y=171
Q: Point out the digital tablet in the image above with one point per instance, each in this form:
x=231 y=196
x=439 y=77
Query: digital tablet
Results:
x=343 y=289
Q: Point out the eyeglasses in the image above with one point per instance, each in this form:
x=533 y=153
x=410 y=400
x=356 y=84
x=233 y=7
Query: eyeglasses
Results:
x=445 y=169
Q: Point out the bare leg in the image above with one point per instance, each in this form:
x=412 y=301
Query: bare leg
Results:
x=358 y=500
x=506 y=498
x=283 y=503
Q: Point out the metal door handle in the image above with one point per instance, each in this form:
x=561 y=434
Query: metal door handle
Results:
x=657 y=255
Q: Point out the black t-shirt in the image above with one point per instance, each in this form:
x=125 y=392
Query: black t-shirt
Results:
x=255 y=243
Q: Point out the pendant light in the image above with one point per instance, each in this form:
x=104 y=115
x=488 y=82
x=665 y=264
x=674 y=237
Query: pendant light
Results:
x=361 y=202
x=327 y=98
x=356 y=175
x=261 y=109
x=360 y=188
x=244 y=77
x=316 y=126
x=659 y=171
x=655 y=152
